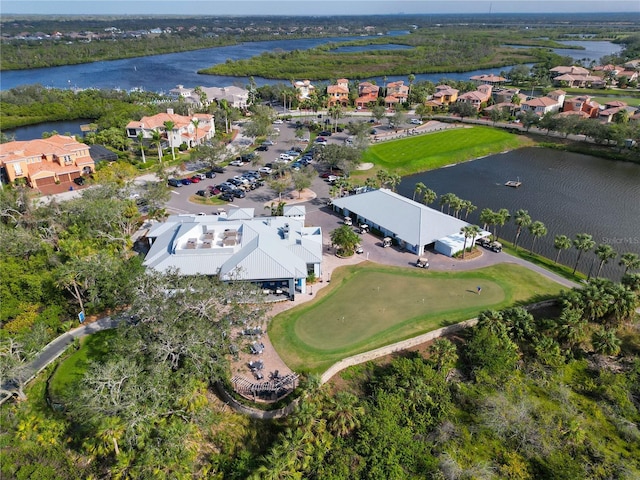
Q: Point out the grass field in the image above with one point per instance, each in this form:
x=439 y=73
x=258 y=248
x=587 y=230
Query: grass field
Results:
x=435 y=150
x=368 y=306
x=94 y=347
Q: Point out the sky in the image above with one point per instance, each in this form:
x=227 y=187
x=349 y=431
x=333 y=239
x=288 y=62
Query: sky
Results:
x=309 y=7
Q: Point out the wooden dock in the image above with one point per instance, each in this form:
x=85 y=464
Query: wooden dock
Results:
x=513 y=183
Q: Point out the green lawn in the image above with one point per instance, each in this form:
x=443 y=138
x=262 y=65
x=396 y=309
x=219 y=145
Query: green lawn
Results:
x=435 y=150
x=93 y=348
x=368 y=306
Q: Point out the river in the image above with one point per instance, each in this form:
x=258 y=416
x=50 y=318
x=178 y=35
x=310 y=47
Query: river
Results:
x=568 y=192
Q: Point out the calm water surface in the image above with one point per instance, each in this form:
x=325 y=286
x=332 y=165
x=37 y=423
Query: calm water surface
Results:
x=569 y=193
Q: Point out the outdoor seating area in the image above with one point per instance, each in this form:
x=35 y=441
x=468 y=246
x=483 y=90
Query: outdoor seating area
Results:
x=257 y=348
x=274 y=389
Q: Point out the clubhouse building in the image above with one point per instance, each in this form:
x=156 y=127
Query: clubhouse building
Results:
x=411 y=225
x=276 y=253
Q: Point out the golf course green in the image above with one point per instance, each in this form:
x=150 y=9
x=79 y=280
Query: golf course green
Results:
x=434 y=150
x=369 y=305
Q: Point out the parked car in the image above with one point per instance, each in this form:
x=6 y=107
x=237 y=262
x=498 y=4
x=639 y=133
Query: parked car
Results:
x=203 y=193
x=174 y=182
x=214 y=190
x=268 y=143
x=226 y=187
x=236 y=163
x=265 y=170
x=238 y=193
x=201 y=176
x=262 y=148
x=226 y=196
x=278 y=121
x=186 y=181
x=415 y=121
x=210 y=174
x=217 y=169
x=195 y=179
x=78 y=180
x=325 y=133
x=283 y=157
x=320 y=140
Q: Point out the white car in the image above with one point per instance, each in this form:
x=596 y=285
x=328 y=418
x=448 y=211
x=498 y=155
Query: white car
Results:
x=265 y=170
x=278 y=121
x=285 y=157
x=415 y=121
x=236 y=163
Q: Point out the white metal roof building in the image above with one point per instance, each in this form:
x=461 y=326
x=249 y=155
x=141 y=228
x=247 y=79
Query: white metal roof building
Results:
x=275 y=252
x=412 y=225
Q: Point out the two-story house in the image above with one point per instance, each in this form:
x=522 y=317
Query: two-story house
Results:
x=338 y=94
x=304 y=88
x=478 y=97
x=488 y=79
x=445 y=95
x=236 y=97
x=192 y=131
x=397 y=92
x=582 y=103
x=45 y=161
x=552 y=102
x=367 y=95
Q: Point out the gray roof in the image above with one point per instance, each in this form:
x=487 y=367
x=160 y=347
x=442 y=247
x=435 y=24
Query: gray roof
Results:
x=243 y=249
x=411 y=221
x=294 y=211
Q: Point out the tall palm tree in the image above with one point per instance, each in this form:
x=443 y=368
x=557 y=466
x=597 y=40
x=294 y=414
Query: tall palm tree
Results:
x=458 y=204
x=140 y=140
x=583 y=243
x=502 y=217
x=522 y=219
x=604 y=252
x=468 y=208
x=418 y=189
x=561 y=242
x=411 y=77
x=466 y=231
x=475 y=231
x=630 y=261
x=537 y=229
x=429 y=196
x=487 y=217
x=196 y=123
x=344 y=414
x=168 y=127
x=156 y=139
x=443 y=354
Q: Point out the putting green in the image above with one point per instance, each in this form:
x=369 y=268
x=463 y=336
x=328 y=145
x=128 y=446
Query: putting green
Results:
x=369 y=305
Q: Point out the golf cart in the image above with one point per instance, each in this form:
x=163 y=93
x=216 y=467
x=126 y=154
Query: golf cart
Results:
x=422 y=262
x=359 y=249
x=386 y=242
x=364 y=228
x=495 y=247
x=348 y=221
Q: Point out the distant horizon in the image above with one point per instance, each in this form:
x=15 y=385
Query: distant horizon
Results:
x=253 y=8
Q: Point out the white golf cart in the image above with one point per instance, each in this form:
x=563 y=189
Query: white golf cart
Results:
x=348 y=221
x=364 y=228
x=386 y=242
x=422 y=262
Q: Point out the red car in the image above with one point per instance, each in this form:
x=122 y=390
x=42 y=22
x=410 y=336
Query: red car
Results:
x=195 y=179
x=214 y=190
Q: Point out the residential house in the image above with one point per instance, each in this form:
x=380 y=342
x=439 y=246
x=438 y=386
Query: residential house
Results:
x=411 y=225
x=568 y=70
x=541 y=105
x=339 y=93
x=57 y=159
x=367 y=95
x=506 y=95
x=192 y=130
x=478 y=97
x=490 y=79
x=236 y=97
x=445 y=95
x=612 y=108
x=582 y=103
x=304 y=88
x=397 y=92
x=277 y=253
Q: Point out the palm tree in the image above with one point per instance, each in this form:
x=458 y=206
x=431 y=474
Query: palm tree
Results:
x=411 y=77
x=140 y=140
x=196 y=123
x=487 y=217
x=561 y=242
x=156 y=139
x=429 y=196
x=583 y=243
x=468 y=208
x=418 y=189
x=537 y=229
x=444 y=200
x=443 y=354
x=466 y=231
x=630 y=261
x=457 y=204
x=522 y=219
x=169 y=126
x=475 y=231
x=605 y=341
x=502 y=217
x=604 y=252
x=344 y=414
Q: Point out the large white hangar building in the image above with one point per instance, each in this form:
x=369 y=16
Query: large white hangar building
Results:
x=412 y=225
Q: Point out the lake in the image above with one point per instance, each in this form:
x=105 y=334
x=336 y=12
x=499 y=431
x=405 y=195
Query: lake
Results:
x=568 y=192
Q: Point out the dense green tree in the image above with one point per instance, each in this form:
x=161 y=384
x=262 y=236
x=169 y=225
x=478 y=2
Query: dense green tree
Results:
x=345 y=240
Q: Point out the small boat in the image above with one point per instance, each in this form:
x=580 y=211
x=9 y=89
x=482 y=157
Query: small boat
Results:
x=514 y=183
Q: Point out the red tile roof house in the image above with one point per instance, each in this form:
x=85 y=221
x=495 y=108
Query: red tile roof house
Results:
x=582 y=103
x=399 y=90
x=184 y=130
x=367 y=95
x=477 y=97
x=445 y=94
x=339 y=93
x=488 y=79
x=611 y=108
x=57 y=159
x=541 y=105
